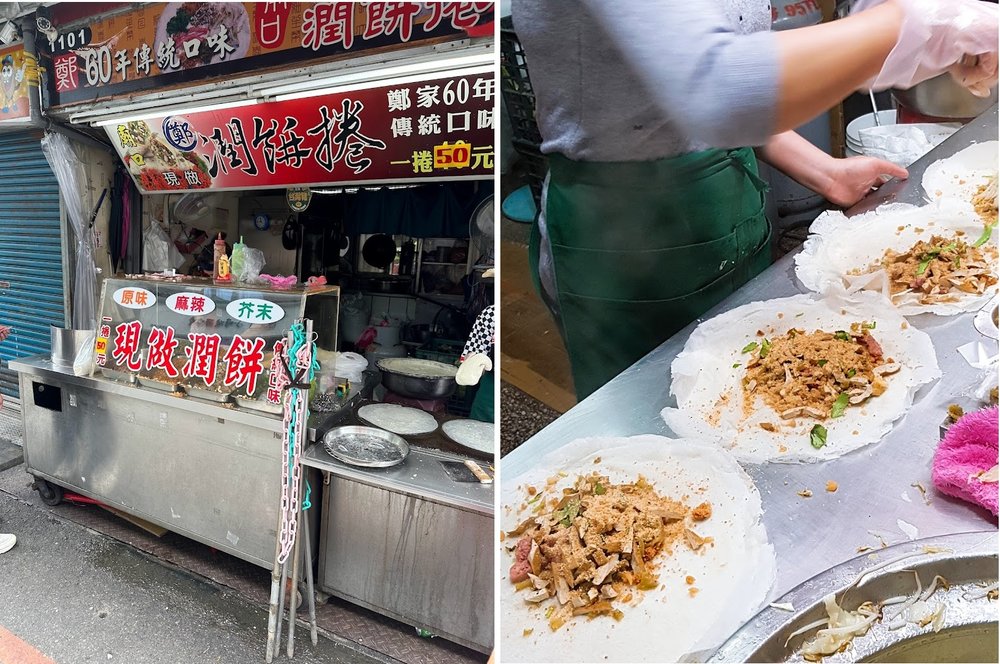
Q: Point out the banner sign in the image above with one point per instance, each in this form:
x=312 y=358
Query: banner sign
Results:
x=159 y=45
x=432 y=128
x=16 y=75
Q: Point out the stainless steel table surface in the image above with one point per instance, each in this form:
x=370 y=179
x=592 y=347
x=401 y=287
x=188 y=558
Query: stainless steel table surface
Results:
x=875 y=497
x=420 y=475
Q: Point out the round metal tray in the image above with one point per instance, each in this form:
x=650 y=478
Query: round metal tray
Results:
x=968 y=561
x=365 y=446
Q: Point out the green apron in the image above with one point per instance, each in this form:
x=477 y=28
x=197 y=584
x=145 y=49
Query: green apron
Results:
x=482 y=404
x=640 y=249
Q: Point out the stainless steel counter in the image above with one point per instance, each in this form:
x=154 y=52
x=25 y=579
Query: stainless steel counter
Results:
x=875 y=498
x=420 y=475
x=409 y=542
x=198 y=468
x=41 y=366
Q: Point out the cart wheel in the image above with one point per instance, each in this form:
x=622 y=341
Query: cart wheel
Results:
x=50 y=494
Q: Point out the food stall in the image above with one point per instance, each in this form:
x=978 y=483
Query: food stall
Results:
x=290 y=127
x=179 y=425
x=880 y=495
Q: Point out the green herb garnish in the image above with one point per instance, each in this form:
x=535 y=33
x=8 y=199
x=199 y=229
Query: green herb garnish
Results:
x=924 y=264
x=851 y=373
x=569 y=512
x=750 y=347
x=822 y=363
x=839 y=406
x=765 y=348
x=535 y=499
x=817 y=437
x=737 y=365
x=599 y=489
x=868 y=326
x=985 y=237
x=843 y=336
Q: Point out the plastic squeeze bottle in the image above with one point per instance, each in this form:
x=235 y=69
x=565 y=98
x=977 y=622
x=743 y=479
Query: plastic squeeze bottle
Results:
x=220 y=263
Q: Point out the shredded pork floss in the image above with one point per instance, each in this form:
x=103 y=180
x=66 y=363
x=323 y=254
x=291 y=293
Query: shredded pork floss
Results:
x=837 y=374
x=693 y=560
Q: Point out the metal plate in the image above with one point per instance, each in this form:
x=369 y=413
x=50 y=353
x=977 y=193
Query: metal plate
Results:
x=365 y=446
x=158 y=385
x=372 y=409
x=207 y=395
x=967 y=561
x=260 y=405
x=453 y=429
x=120 y=376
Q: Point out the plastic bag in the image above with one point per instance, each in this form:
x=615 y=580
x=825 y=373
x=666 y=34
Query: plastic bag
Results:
x=158 y=252
x=904 y=144
x=83 y=363
x=237 y=259
x=253 y=262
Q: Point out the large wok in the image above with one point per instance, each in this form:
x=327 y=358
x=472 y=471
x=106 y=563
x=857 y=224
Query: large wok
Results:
x=405 y=384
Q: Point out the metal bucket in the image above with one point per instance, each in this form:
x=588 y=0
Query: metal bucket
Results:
x=66 y=344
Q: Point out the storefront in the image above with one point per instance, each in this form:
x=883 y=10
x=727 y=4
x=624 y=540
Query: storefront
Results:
x=346 y=148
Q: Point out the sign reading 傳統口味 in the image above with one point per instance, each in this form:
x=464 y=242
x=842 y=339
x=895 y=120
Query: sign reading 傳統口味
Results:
x=434 y=128
x=166 y=44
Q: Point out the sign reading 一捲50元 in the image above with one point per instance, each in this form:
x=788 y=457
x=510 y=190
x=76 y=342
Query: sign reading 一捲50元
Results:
x=433 y=128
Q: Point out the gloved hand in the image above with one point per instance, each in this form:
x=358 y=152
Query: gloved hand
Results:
x=472 y=369
x=935 y=37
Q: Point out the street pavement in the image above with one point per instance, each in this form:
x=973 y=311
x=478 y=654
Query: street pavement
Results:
x=71 y=595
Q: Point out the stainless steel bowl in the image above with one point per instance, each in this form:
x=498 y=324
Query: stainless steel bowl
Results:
x=944 y=97
x=416 y=387
x=968 y=561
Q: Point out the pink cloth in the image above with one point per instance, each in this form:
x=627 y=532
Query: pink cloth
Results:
x=969 y=448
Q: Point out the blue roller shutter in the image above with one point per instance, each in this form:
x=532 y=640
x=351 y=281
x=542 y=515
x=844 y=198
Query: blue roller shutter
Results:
x=31 y=255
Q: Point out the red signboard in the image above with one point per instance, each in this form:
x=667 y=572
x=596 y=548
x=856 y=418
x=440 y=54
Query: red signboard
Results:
x=164 y=44
x=435 y=128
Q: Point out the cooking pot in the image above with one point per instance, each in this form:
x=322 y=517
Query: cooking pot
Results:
x=945 y=98
x=416 y=387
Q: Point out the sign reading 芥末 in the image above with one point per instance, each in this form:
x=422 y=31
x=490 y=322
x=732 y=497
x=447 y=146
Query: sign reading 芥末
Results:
x=166 y=44
x=433 y=128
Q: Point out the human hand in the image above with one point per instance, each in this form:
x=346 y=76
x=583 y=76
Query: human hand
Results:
x=4 y=332
x=978 y=74
x=935 y=37
x=850 y=179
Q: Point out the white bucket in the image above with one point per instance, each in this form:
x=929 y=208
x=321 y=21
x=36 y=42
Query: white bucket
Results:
x=386 y=335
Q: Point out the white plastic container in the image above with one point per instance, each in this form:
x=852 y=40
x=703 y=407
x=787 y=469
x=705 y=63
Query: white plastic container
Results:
x=853 y=137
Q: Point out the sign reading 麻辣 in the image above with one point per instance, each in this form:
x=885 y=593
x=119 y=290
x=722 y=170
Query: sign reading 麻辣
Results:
x=165 y=44
x=434 y=128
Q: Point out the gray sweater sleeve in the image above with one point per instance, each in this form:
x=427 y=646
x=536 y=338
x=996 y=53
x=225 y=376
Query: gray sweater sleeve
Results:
x=689 y=64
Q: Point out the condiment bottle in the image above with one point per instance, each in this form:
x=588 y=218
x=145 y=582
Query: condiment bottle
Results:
x=220 y=262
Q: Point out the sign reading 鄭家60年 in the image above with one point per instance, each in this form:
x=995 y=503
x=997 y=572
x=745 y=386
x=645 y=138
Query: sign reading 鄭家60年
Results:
x=436 y=128
x=190 y=304
x=134 y=298
x=256 y=311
